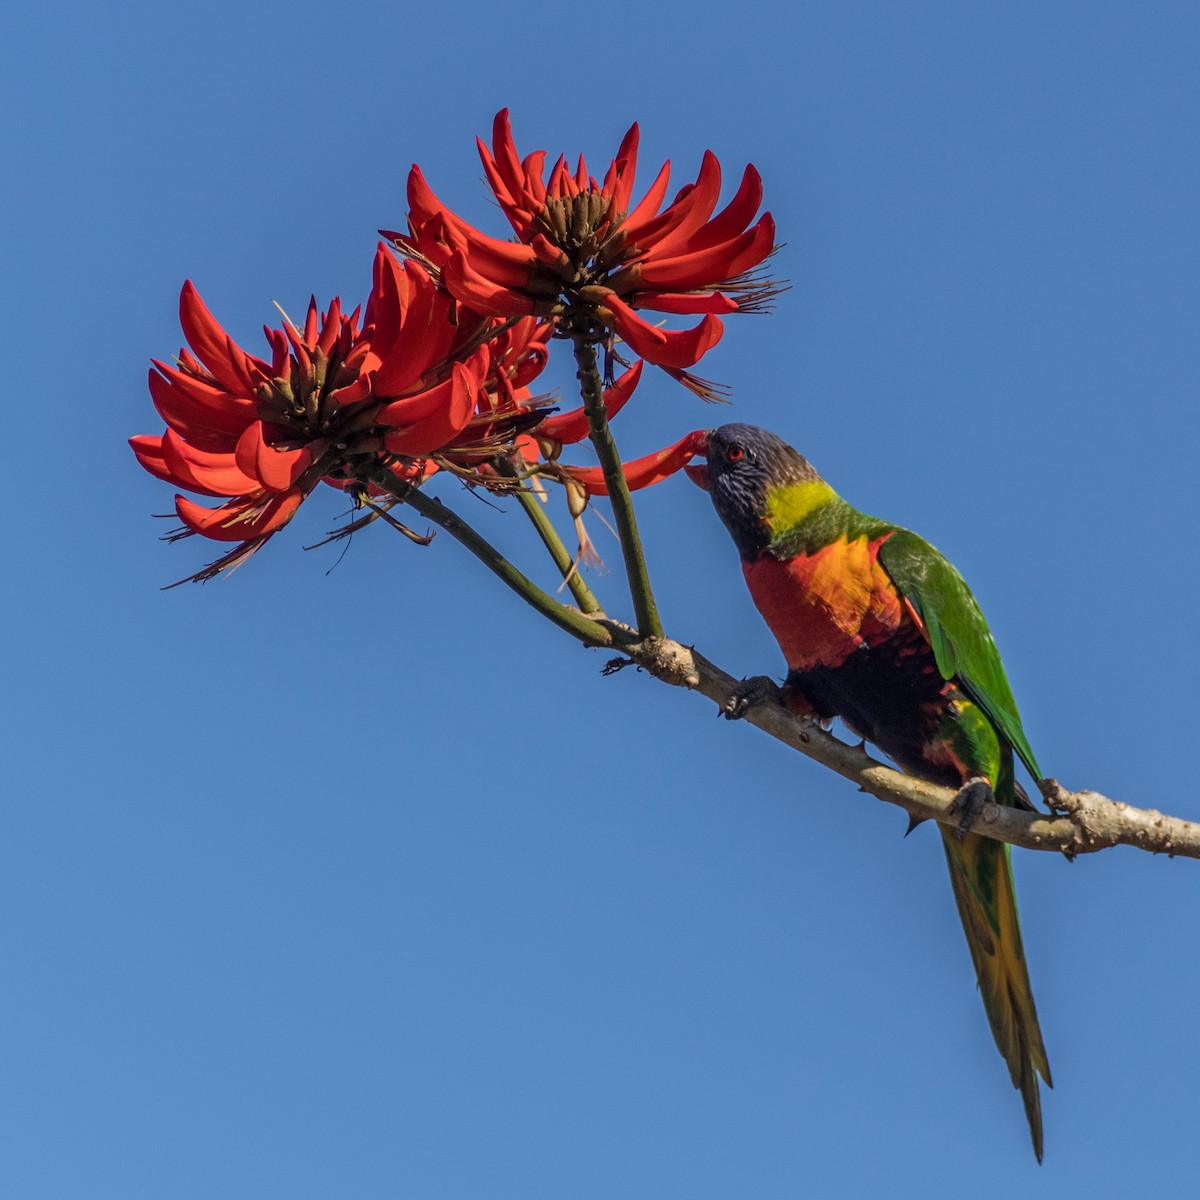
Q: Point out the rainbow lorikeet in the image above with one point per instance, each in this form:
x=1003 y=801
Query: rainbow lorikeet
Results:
x=879 y=629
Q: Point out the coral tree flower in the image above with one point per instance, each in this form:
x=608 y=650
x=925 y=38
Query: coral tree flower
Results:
x=587 y=257
x=335 y=401
x=648 y=470
x=506 y=408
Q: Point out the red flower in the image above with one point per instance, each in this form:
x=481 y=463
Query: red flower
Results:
x=650 y=469
x=336 y=401
x=588 y=259
x=519 y=355
x=429 y=364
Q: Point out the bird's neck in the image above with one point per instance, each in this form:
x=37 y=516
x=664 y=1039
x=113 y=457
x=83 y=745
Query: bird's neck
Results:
x=802 y=518
x=791 y=504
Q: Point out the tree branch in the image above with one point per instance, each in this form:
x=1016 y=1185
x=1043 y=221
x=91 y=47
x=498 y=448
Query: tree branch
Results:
x=569 y=620
x=569 y=568
x=1090 y=822
x=592 y=390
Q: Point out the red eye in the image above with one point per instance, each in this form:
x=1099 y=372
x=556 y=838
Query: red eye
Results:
x=734 y=453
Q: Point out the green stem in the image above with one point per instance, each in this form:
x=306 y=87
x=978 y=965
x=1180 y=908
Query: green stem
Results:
x=574 y=623
x=645 y=611
x=568 y=567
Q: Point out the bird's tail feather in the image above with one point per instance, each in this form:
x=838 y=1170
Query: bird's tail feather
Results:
x=981 y=874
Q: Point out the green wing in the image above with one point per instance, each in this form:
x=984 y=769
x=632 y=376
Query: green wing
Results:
x=961 y=641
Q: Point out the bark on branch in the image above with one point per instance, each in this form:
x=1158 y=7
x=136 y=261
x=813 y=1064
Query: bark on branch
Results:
x=1087 y=821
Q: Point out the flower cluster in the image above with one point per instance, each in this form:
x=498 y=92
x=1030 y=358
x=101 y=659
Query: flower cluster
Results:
x=435 y=372
x=417 y=385
x=587 y=259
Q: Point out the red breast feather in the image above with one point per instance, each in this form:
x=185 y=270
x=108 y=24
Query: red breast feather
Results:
x=822 y=606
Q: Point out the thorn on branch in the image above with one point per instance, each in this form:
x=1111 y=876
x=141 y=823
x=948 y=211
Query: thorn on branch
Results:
x=1057 y=798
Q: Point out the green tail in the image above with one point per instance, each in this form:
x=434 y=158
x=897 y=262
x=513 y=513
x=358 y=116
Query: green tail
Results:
x=981 y=873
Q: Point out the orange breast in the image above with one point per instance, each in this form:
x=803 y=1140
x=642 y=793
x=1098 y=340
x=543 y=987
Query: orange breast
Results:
x=821 y=607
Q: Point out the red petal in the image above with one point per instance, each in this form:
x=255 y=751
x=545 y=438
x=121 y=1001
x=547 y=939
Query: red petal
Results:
x=442 y=425
x=439 y=231
x=526 y=446
x=684 y=302
x=280 y=351
x=410 y=410
x=331 y=327
x=311 y=324
x=240 y=521
x=205 y=415
x=690 y=209
x=648 y=206
x=507 y=160
x=200 y=471
x=148 y=450
x=411 y=338
x=509 y=182
x=275 y=470
x=352 y=393
x=422 y=201
x=626 y=168
x=643 y=472
x=547 y=251
x=506 y=263
x=667 y=348
x=481 y=294
x=535 y=185
x=637 y=331
x=526 y=354
x=736 y=215
x=500 y=186
x=228 y=363
x=559 y=182
x=709 y=266
x=429 y=238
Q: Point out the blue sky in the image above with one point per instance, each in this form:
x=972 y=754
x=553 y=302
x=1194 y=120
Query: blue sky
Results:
x=360 y=881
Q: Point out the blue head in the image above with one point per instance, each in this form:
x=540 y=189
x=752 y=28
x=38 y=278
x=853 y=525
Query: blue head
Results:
x=745 y=465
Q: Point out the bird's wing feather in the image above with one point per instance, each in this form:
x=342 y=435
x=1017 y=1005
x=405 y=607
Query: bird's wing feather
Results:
x=958 y=634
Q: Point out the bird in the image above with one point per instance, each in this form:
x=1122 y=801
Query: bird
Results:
x=878 y=629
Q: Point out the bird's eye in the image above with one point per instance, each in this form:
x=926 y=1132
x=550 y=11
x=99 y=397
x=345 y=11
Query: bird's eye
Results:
x=734 y=453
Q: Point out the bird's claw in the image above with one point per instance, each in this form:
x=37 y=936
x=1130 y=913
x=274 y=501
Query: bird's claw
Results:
x=973 y=797
x=758 y=689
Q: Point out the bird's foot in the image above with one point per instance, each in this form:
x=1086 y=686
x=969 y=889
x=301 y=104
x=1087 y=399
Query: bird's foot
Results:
x=758 y=689
x=973 y=797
